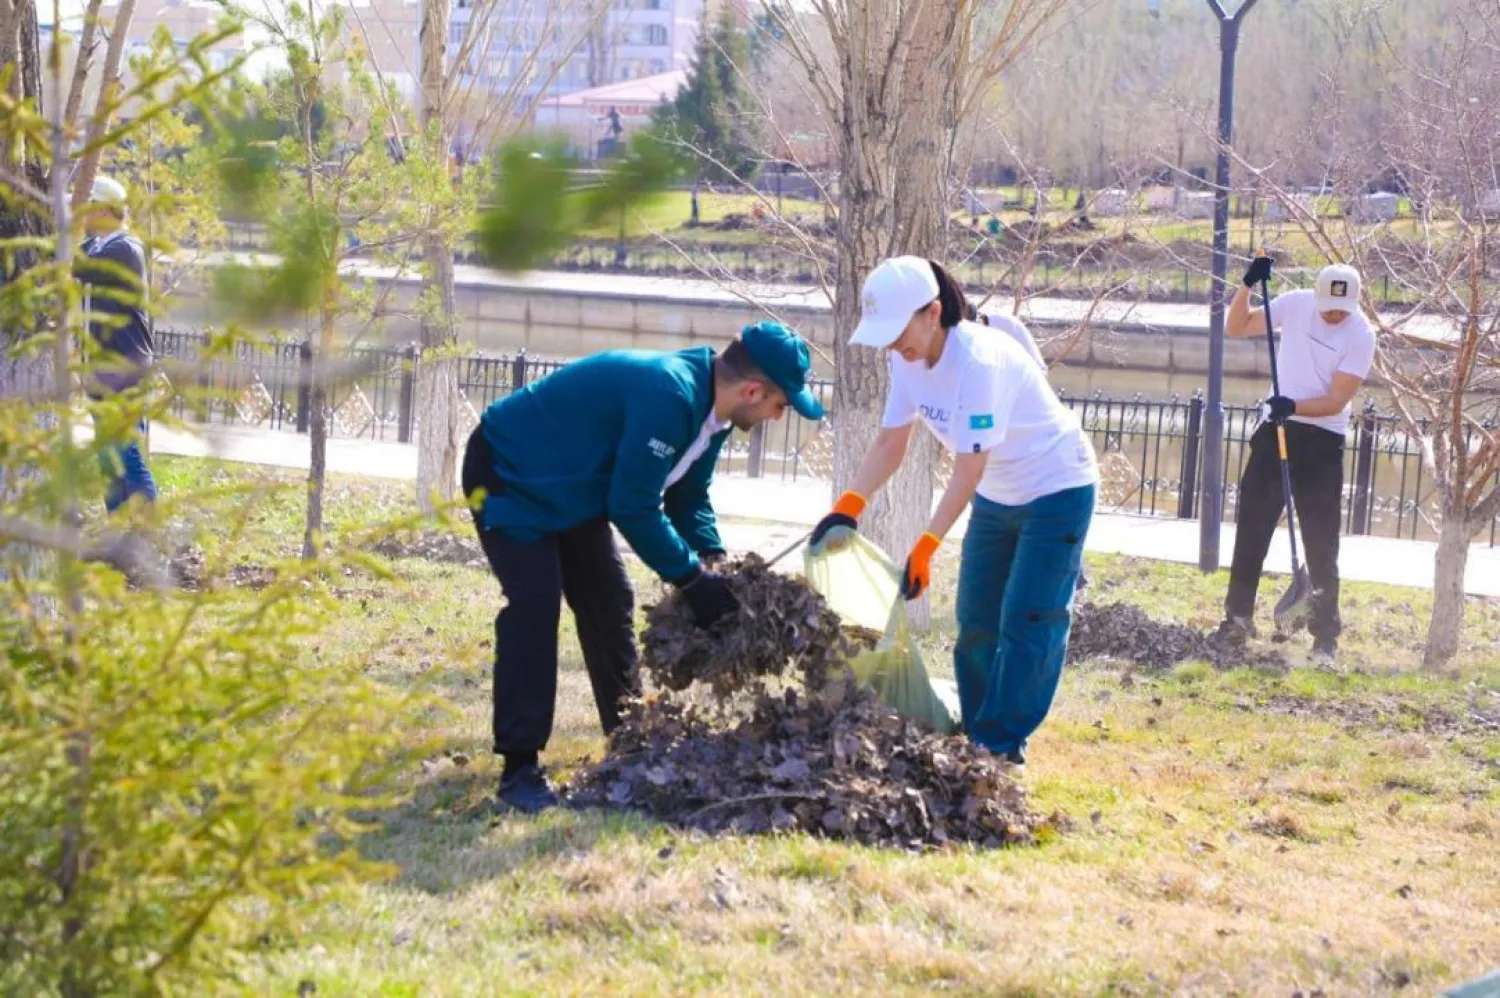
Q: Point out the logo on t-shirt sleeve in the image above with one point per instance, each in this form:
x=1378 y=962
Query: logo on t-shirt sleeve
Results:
x=983 y=421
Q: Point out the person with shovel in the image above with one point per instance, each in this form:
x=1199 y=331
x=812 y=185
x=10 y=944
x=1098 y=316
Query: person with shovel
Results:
x=624 y=438
x=1327 y=345
x=1021 y=463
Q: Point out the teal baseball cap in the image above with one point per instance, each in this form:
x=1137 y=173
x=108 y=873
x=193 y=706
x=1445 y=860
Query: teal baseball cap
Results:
x=784 y=357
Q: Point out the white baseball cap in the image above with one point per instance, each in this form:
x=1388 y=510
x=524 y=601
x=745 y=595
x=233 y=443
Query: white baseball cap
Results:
x=893 y=292
x=108 y=191
x=1338 y=288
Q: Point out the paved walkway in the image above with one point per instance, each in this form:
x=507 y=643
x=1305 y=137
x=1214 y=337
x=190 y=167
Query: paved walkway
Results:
x=783 y=511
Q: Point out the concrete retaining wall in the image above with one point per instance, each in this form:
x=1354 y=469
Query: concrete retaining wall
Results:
x=558 y=322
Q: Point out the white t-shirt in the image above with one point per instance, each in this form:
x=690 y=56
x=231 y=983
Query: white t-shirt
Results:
x=986 y=394
x=1017 y=331
x=1311 y=352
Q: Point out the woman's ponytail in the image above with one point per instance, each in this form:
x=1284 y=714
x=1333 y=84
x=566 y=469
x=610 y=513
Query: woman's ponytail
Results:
x=955 y=306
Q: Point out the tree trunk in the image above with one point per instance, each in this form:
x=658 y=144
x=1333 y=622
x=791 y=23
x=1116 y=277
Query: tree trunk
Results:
x=317 y=470
x=861 y=375
x=88 y=40
x=317 y=465
x=74 y=831
x=926 y=132
x=20 y=47
x=99 y=123
x=437 y=379
x=1448 y=590
x=437 y=388
x=31 y=375
x=897 y=158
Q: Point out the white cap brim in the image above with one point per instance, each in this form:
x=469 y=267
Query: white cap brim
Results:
x=877 y=333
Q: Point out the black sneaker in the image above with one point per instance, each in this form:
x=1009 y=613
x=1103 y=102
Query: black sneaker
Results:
x=1232 y=634
x=1012 y=762
x=527 y=791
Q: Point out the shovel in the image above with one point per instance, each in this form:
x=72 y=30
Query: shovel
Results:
x=789 y=549
x=1295 y=605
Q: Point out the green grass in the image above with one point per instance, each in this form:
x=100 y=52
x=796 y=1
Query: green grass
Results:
x=1232 y=831
x=672 y=211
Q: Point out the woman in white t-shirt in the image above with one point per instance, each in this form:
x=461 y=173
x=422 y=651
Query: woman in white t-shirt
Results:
x=1020 y=459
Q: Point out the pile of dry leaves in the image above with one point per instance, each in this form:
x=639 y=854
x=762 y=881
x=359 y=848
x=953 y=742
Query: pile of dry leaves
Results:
x=837 y=765
x=821 y=756
x=1125 y=632
x=782 y=625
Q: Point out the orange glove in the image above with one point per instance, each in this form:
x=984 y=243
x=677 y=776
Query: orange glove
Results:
x=851 y=504
x=918 y=573
x=837 y=528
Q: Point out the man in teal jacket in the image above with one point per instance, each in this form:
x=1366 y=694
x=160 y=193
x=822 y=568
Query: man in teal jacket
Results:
x=628 y=438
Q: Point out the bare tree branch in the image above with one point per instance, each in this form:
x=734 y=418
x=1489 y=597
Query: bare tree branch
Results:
x=99 y=123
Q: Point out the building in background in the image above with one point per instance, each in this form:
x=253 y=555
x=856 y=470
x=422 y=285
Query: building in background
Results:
x=593 y=119
x=570 y=61
x=553 y=48
x=390 y=30
x=183 y=20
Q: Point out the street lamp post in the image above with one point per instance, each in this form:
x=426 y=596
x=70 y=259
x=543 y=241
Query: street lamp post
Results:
x=1211 y=481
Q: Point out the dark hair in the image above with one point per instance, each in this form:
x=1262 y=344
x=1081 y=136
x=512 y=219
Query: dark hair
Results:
x=955 y=306
x=738 y=365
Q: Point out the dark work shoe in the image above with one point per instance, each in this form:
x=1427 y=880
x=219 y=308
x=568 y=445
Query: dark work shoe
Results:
x=1232 y=634
x=1325 y=653
x=527 y=791
x=1012 y=761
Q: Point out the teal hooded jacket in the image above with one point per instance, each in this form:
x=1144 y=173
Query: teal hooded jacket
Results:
x=599 y=437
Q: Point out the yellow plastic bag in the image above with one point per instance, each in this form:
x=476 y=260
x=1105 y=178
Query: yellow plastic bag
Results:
x=863 y=587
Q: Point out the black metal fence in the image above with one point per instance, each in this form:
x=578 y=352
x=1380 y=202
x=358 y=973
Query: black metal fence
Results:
x=1147 y=447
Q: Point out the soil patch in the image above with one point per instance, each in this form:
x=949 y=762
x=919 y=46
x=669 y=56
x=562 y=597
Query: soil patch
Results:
x=432 y=545
x=1479 y=717
x=191 y=572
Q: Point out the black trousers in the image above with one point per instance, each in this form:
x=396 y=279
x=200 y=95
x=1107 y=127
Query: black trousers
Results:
x=1316 y=460
x=581 y=565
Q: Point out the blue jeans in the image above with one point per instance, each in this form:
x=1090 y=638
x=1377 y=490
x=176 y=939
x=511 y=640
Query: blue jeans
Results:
x=125 y=467
x=1015 y=602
